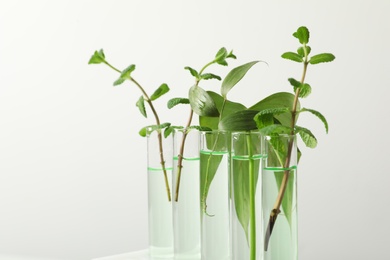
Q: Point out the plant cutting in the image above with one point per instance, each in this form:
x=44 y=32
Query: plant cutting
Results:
x=99 y=58
x=159 y=162
x=275 y=120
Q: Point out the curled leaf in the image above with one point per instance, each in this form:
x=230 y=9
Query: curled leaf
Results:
x=317 y=114
x=192 y=71
x=201 y=102
x=307 y=136
x=97 y=57
x=141 y=106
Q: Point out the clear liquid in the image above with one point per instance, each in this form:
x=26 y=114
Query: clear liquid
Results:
x=215 y=242
x=186 y=220
x=160 y=215
x=283 y=244
x=240 y=242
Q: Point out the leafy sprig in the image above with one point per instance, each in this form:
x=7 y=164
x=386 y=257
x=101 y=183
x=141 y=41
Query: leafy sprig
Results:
x=99 y=58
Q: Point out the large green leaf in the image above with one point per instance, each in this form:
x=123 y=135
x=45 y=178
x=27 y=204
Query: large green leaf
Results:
x=241 y=166
x=229 y=107
x=234 y=76
x=277 y=100
x=321 y=58
x=201 y=102
x=239 y=121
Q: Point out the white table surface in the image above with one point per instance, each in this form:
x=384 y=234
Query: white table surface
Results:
x=138 y=255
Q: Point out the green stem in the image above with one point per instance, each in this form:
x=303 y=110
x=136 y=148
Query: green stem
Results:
x=159 y=135
x=185 y=133
x=276 y=208
x=252 y=202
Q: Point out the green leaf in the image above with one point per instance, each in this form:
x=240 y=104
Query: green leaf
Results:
x=220 y=57
x=239 y=121
x=301 y=50
x=125 y=74
x=228 y=108
x=160 y=91
x=97 y=57
x=231 y=55
x=292 y=56
x=275 y=130
x=305 y=90
x=317 y=114
x=320 y=58
x=302 y=34
x=141 y=106
x=295 y=83
x=200 y=128
x=192 y=71
x=168 y=131
x=207 y=76
x=119 y=81
x=201 y=102
x=277 y=100
x=148 y=129
x=240 y=176
x=176 y=101
x=266 y=117
x=234 y=76
x=307 y=136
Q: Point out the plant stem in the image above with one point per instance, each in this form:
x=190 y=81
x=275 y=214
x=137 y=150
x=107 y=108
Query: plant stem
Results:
x=180 y=156
x=159 y=135
x=252 y=202
x=185 y=133
x=276 y=208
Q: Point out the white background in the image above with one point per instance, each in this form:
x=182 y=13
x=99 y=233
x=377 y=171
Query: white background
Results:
x=72 y=166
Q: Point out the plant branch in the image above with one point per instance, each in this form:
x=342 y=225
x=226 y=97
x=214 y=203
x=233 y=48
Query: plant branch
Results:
x=276 y=208
x=159 y=135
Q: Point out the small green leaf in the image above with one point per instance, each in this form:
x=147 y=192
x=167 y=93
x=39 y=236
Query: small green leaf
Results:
x=168 y=131
x=148 y=129
x=320 y=58
x=221 y=56
x=295 y=83
x=234 y=76
x=266 y=117
x=292 y=56
x=207 y=76
x=302 y=34
x=119 y=81
x=192 y=71
x=201 y=102
x=302 y=52
x=141 y=106
x=175 y=101
x=125 y=74
x=317 y=114
x=239 y=121
x=160 y=91
x=97 y=57
x=231 y=55
x=305 y=90
x=307 y=136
